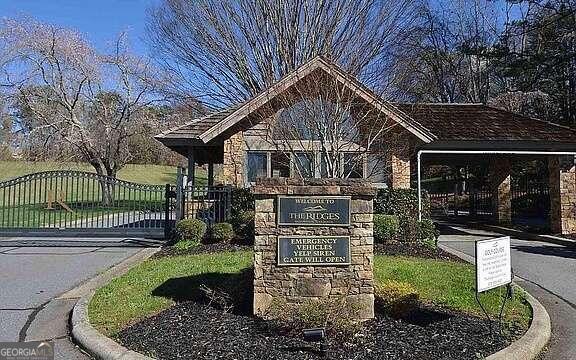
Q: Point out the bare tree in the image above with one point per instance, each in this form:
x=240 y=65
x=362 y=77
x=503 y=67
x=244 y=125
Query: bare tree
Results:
x=450 y=52
x=226 y=51
x=320 y=127
x=91 y=103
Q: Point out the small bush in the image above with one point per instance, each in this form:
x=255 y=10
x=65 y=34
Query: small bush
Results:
x=427 y=232
x=337 y=315
x=403 y=203
x=242 y=200
x=386 y=228
x=396 y=298
x=243 y=224
x=221 y=232
x=190 y=231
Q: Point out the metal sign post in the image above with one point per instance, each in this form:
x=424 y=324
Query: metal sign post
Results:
x=493 y=269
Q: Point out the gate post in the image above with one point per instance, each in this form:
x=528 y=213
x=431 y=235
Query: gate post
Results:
x=167 y=223
x=179 y=214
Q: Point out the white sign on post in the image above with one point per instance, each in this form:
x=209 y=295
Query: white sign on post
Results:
x=493 y=265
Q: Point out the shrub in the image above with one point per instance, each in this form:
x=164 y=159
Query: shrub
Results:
x=190 y=232
x=427 y=232
x=221 y=232
x=243 y=224
x=396 y=298
x=242 y=201
x=337 y=315
x=386 y=228
x=403 y=203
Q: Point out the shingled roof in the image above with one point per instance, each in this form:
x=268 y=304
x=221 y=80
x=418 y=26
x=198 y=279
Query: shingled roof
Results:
x=433 y=124
x=478 y=122
x=193 y=129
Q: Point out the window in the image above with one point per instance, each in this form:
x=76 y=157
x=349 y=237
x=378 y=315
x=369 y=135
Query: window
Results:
x=257 y=165
x=280 y=163
x=353 y=166
x=304 y=164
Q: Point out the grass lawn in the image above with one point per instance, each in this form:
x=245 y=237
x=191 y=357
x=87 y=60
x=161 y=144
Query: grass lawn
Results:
x=449 y=284
x=144 y=290
x=144 y=174
x=131 y=297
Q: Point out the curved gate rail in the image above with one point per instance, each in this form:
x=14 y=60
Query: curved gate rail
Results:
x=81 y=200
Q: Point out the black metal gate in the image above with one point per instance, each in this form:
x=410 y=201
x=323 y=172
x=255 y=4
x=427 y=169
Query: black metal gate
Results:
x=86 y=202
x=531 y=202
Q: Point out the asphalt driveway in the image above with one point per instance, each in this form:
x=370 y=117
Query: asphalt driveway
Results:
x=549 y=273
x=35 y=270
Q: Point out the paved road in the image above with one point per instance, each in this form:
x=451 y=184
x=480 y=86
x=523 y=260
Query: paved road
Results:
x=36 y=270
x=549 y=271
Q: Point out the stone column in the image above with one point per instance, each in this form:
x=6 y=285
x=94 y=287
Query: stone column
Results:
x=500 y=184
x=399 y=161
x=296 y=284
x=562 y=177
x=234 y=159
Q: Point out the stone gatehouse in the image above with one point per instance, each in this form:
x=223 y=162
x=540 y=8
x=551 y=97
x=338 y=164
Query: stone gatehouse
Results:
x=241 y=141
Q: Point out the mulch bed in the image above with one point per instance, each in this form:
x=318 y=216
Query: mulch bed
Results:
x=192 y=330
x=415 y=250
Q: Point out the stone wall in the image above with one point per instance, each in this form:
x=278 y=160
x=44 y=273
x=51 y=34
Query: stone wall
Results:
x=296 y=284
x=500 y=185
x=562 y=195
x=399 y=161
x=234 y=157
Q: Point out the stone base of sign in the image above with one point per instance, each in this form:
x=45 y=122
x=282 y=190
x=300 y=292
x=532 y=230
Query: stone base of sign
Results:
x=298 y=284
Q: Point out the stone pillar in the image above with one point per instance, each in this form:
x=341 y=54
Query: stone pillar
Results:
x=500 y=184
x=296 y=284
x=234 y=159
x=399 y=161
x=562 y=177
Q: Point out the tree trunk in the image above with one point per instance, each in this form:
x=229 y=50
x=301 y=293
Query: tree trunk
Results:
x=106 y=180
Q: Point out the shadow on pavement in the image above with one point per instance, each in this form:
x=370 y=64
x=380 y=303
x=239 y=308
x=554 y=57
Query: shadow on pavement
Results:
x=63 y=242
x=447 y=229
x=559 y=251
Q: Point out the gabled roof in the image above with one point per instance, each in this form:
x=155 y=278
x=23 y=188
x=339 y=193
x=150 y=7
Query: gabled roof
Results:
x=478 y=122
x=433 y=124
x=213 y=125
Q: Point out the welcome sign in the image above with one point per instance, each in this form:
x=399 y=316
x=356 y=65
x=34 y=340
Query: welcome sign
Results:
x=313 y=250
x=314 y=210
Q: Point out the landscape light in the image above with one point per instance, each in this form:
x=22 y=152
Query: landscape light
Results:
x=314 y=335
x=317 y=335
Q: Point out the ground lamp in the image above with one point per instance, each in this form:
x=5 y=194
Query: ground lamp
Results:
x=317 y=335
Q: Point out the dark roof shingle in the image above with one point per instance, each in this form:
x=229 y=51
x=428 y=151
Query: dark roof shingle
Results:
x=477 y=122
x=194 y=128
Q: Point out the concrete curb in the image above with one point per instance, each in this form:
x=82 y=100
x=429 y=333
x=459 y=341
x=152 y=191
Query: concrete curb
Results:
x=530 y=345
x=92 y=341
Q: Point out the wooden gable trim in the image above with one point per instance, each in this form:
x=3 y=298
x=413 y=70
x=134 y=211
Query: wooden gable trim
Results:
x=292 y=78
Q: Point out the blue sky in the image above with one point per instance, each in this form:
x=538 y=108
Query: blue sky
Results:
x=99 y=20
